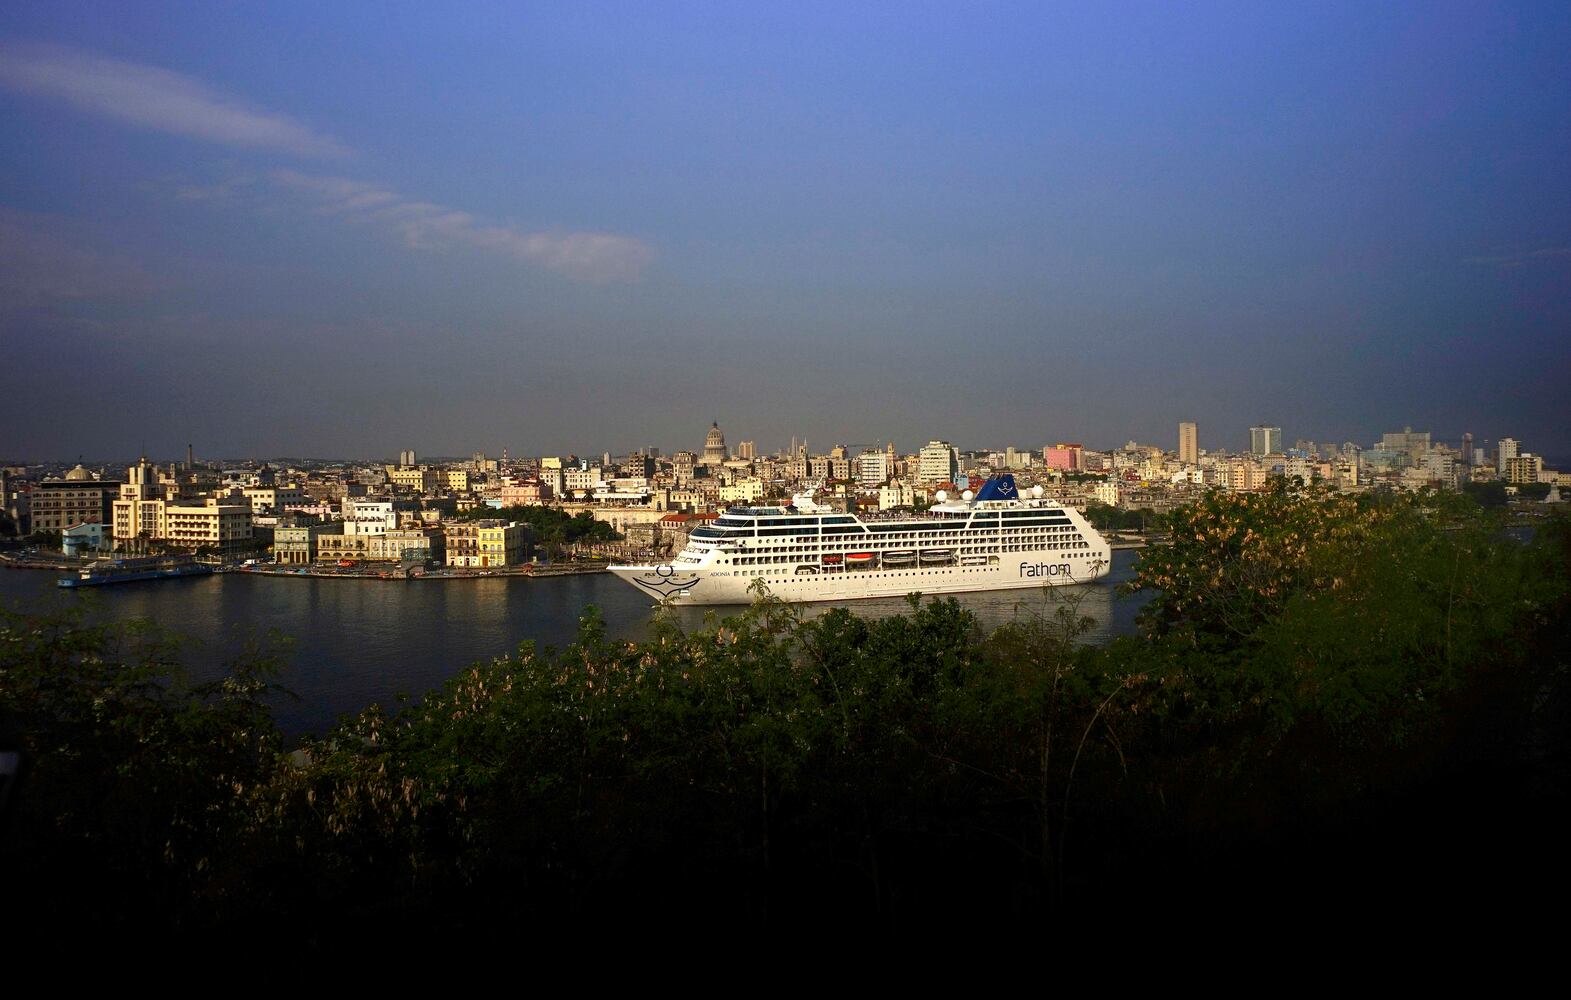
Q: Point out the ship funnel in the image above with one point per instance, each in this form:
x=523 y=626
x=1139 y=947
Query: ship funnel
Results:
x=1000 y=487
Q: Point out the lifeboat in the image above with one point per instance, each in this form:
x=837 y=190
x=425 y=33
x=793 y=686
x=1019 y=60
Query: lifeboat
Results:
x=899 y=557
x=859 y=560
x=832 y=559
x=932 y=556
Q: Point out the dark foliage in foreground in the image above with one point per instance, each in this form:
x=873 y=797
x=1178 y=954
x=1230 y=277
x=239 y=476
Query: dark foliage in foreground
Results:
x=1331 y=697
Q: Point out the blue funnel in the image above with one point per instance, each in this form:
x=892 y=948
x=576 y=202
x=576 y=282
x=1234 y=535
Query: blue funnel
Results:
x=1000 y=487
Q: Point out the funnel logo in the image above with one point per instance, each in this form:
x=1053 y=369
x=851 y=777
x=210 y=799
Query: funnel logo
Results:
x=664 y=582
x=1000 y=487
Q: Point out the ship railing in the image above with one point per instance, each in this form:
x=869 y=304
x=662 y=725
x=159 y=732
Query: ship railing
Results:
x=907 y=515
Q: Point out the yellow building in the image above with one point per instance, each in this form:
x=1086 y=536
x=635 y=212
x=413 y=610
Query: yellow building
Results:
x=145 y=513
x=332 y=548
x=213 y=524
x=487 y=543
x=742 y=491
x=1524 y=469
x=421 y=480
x=136 y=512
x=1243 y=476
x=273 y=498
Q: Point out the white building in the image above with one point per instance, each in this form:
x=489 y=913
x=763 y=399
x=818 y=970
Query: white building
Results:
x=937 y=462
x=1504 y=453
x=872 y=468
x=368 y=517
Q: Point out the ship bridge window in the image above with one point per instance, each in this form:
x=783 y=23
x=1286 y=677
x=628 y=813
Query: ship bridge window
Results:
x=720 y=533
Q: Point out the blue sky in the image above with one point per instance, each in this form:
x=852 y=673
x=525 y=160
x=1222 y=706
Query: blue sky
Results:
x=348 y=229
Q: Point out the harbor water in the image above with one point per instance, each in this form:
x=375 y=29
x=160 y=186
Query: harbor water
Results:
x=352 y=643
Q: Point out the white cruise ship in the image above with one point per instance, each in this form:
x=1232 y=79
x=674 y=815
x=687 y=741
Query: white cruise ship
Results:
x=995 y=541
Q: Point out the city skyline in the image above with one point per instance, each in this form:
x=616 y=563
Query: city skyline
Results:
x=331 y=232
x=747 y=448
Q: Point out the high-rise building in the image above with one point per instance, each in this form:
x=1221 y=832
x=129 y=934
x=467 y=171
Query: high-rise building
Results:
x=1188 y=443
x=1525 y=468
x=1505 y=451
x=873 y=467
x=1065 y=456
x=937 y=462
x=406 y=459
x=1265 y=440
x=746 y=450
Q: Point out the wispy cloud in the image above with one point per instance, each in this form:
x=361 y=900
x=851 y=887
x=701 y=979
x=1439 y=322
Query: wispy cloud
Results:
x=1521 y=258
x=224 y=190
x=153 y=98
x=595 y=257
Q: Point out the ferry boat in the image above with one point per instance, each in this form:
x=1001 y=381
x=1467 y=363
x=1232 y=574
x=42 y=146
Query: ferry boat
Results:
x=994 y=540
x=130 y=570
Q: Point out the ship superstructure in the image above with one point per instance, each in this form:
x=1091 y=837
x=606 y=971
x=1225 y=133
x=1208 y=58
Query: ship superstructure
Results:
x=995 y=540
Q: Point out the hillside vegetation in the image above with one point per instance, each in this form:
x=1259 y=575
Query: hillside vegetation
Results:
x=1329 y=697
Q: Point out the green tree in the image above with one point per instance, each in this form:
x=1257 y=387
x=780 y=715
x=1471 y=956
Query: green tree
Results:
x=137 y=782
x=1486 y=494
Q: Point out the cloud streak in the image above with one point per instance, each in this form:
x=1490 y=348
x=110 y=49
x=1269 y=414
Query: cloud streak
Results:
x=153 y=98
x=1513 y=260
x=583 y=256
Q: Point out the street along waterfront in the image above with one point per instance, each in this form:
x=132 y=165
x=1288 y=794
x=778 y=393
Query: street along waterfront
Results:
x=357 y=642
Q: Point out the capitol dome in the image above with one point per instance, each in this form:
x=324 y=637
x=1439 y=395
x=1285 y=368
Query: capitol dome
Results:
x=78 y=474
x=714 y=446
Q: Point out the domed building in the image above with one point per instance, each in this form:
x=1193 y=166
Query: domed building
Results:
x=76 y=498
x=714 y=446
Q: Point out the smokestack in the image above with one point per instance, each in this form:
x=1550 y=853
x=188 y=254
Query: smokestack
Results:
x=190 y=458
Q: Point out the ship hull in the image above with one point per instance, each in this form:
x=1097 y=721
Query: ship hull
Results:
x=708 y=586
